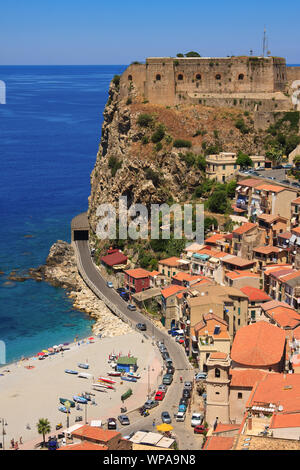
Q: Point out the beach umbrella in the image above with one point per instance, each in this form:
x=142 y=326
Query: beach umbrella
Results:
x=55 y=346
x=91 y=338
x=51 y=350
x=45 y=351
x=164 y=427
x=66 y=344
x=41 y=354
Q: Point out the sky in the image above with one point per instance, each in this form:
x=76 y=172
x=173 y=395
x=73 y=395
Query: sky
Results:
x=92 y=32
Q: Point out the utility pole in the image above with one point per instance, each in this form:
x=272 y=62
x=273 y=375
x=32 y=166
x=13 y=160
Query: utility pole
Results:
x=264 y=42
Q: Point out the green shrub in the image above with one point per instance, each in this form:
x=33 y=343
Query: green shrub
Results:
x=180 y=143
x=116 y=80
x=145 y=140
x=159 y=134
x=158 y=146
x=152 y=175
x=129 y=101
x=114 y=164
x=145 y=120
x=240 y=124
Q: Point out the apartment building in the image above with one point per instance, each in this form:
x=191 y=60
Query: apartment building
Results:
x=223 y=166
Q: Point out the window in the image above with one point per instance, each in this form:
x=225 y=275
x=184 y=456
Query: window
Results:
x=198 y=76
x=241 y=76
x=217 y=373
x=240 y=395
x=130 y=77
x=158 y=77
x=180 y=77
x=218 y=77
x=224 y=167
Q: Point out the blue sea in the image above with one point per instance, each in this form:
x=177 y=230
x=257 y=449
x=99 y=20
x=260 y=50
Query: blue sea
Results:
x=50 y=129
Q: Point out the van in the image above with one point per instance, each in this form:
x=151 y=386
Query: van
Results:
x=180 y=416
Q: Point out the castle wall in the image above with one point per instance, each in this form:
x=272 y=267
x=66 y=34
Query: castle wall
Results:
x=293 y=74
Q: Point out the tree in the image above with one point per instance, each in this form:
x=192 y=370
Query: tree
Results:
x=274 y=154
x=179 y=55
x=244 y=160
x=218 y=202
x=230 y=189
x=296 y=160
x=43 y=427
x=192 y=54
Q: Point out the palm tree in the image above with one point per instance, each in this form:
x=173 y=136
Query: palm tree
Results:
x=43 y=427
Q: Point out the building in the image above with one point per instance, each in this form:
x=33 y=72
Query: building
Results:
x=269 y=255
x=223 y=166
x=116 y=260
x=240 y=279
x=245 y=238
x=113 y=440
x=169 y=305
x=137 y=280
x=271 y=226
x=169 y=267
x=256 y=297
x=127 y=363
x=217 y=388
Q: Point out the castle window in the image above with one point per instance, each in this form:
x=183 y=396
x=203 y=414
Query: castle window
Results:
x=130 y=77
x=241 y=76
x=240 y=395
x=158 y=77
x=198 y=76
x=217 y=373
x=180 y=77
x=218 y=77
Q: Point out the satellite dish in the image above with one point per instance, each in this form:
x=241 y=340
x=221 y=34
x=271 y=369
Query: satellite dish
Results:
x=280 y=408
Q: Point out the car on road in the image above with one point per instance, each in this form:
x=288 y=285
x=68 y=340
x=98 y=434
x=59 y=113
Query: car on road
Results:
x=180 y=416
x=165 y=355
x=184 y=401
x=169 y=362
x=186 y=393
x=182 y=408
x=170 y=370
x=260 y=168
x=167 y=379
x=188 y=385
x=287 y=165
x=166 y=418
x=163 y=388
x=131 y=307
x=149 y=404
x=141 y=326
x=111 y=423
x=162 y=348
x=200 y=376
x=196 y=419
x=121 y=289
x=110 y=284
x=200 y=429
x=277 y=167
x=159 y=396
x=160 y=344
x=124 y=420
x=179 y=339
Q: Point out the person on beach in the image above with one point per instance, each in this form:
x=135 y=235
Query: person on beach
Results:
x=12 y=443
x=16 y=446
x=21 y=440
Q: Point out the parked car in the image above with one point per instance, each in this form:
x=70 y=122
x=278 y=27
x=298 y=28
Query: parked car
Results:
x=170 y=370
x=163 y=388
x=111 y=423
x=124 y=420
x=184 y=401
x=109 y=284
x=167 y=379
x=180 y=416
x=160 y=395
x=160 y=344
x=131 y=307
x=200 y=375
x=166 y=418
x=173 y=331
x=188 y=385
x=121 y=289
x=149 y=404
x=287 y=165
x=200 y=429
x=165 y=355
x=163 y=349
x=182 y=408
x=179 y=339
x=186 y=393
x=196 y=419
x=169 y=362
x=141 y=326
x=277 y=167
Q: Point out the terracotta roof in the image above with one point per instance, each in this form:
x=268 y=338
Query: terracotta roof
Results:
x=137 y=273
x=266 y=250
x=238 y=209
x=296 y=333
x=225 y=427
x=171 y=290
x=288 y=420
x=288 y=277
x=245 y=377
x=296 y=201
x=85 y=445
x=114 y=259
x=203 y=281
x=239 y=274
x=254 y=294
x=258 y=344
x=218 y=355
x=273 y=268
x=270 y=217
x=280 y=389
x=270 y=188
x=251 y=182
x=186 y=277
x=296 y=230
x=273 y=304
x=154 y=273
x=97 y=434
x=286 y=235
x=214 y=238
x=285 y=317
x=244 y=228
x=218 y=443
x=240 y=262
x=173 y=261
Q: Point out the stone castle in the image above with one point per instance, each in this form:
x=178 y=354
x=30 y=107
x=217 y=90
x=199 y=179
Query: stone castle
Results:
x=255 y=83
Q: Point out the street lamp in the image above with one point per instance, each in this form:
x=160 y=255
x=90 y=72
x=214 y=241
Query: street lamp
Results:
x=68 y=406
x=4 y=423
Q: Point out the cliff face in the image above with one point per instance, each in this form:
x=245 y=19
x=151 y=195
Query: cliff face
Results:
x=130 y=164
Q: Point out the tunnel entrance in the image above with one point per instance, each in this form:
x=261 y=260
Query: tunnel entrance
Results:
x=81 y=235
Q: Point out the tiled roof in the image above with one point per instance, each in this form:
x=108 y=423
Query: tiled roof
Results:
x=273 y=268
x=85 y=445
x=286 y=235
x=171 y=290
x=251 y=182
x=240 y=274
x=245 y=377
x=137 y=273
x=218 y=355
x=258 y=344
x=266 y=250
x=214 y=238
x=114 y=259
x=254 y=294
x=288 y=277
x=218 y=443
x=288 y=420
x=296 y=230
x=296 y=201
x=154 y=273
x=186 y=277
x=240 y=262
x=273 y=304
x=244 y=228
x=94 y=433
x=269 y=218
x=270 y=188
x=173 y=261
x=225 y=427
x=285 y=317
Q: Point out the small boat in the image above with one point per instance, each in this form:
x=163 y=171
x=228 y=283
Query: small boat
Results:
x=83 y=365
x=132 y=374
x=97 y=389
x=110 y=387
x=114 y=373
x=84 y=375
x=63 y=409
x=129 y=379
x=70 y=371
x=80 y=399
x=63 y=400
x=105 y=379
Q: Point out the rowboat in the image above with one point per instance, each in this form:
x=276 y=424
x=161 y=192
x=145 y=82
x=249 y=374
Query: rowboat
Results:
x=70 y=371
x=105 y=379
x=63 y=400
x=114 y=373
x=83 y=365
x=63 y=409
x=110 y=387
x=129 y=379
x=84 y=375
x=132 y=374
x=80 y=399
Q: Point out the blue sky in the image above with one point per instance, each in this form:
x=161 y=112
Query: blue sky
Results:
x=121 y=31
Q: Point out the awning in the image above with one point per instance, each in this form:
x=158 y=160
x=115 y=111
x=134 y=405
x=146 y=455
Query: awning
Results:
x=213 y=260
x=238 y=188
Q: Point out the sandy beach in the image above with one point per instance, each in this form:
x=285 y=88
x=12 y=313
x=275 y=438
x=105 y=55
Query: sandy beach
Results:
x=30 y=394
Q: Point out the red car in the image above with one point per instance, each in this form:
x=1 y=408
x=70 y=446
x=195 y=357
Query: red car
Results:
x=160 y=395
x=200 y=429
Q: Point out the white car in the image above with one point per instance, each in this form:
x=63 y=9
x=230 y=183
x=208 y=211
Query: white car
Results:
x=180 y=416
x=196 y=419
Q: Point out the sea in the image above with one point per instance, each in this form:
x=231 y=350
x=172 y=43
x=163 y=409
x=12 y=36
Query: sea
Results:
x=50 y=129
